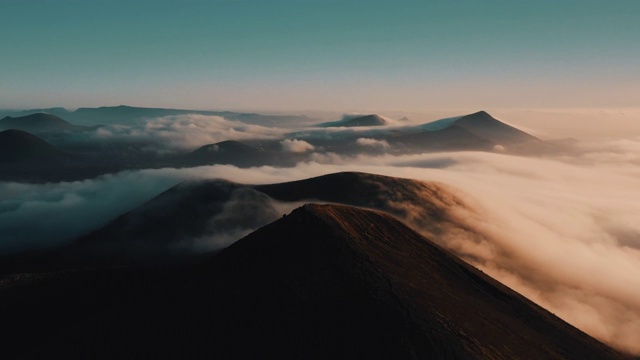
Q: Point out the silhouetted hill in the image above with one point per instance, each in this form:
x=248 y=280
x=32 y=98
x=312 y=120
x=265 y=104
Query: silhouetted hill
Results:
x=367 y=120
x=58 y=111
x=477 y=131
x=325 y=281
x=20 y=147
x=128 y=115
x=203 y=212
x=450 y=138
x=341 y=282
x=226 y=152
x=39 y=123
x=486 y=126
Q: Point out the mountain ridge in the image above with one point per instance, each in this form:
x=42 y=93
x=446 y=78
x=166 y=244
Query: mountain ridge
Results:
x=435 y=305
x=21 y=147
x=39 y=123
x=357 y=121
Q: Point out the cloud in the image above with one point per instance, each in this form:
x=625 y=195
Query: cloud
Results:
x=296 y=146
x=245 y=211
x=372 y=143
x=184 y=132
x=45 y=215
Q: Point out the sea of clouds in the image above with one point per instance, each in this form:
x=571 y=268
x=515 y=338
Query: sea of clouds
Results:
x=561 y=230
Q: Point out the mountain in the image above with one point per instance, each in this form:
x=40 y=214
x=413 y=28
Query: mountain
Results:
x=20 y=147
x=39 y=123
x=370 y=287
x=58 y=111
x=226 y=152
x=486 y=126
x=25 y=157
x=474 y=132
x=128 y=115
x=213 y=213
x=450 y=138
x=325 y=281
x=367 y=120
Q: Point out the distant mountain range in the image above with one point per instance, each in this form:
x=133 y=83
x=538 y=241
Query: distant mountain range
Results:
x=348 y=137
x=325 y=281
x=127 y=115
x=40 y=123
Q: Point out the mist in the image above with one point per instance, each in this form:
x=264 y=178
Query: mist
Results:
x=36 y=216
x=170 y=134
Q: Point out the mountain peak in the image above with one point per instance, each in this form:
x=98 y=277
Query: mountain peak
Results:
x=357 y=121
x=481 y=113
x=364 y=277
x=484 y=125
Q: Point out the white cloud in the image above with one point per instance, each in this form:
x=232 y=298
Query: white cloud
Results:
x=296 y=146
x=372 y=142
x=186 y=132
x=44 y=215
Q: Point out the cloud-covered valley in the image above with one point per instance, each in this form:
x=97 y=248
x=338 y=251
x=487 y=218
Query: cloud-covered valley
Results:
x=561 y=229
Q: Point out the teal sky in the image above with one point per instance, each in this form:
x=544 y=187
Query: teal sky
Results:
x=331 y=55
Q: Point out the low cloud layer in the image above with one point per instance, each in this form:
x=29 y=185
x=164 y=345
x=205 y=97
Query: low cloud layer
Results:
x=45 y=215
x=184 y=132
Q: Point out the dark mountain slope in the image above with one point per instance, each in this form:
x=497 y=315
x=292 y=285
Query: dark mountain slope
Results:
x=130 y=114
x=195 y=216
x=165 y=228
x=20 y=147
x=39 y=123
x=226 y=152
x=366 y=120
x=451 y=138
x=323 y=282
x=351 y=268
x=208 y=209
x=27 y=158
x=488 y=127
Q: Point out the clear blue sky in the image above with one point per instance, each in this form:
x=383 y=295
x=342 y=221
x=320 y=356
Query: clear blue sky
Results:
x=322 y=54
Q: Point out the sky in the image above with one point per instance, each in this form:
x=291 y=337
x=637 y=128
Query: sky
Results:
x=320 y=55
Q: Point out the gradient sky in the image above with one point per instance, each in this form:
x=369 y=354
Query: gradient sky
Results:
x=320 y=54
